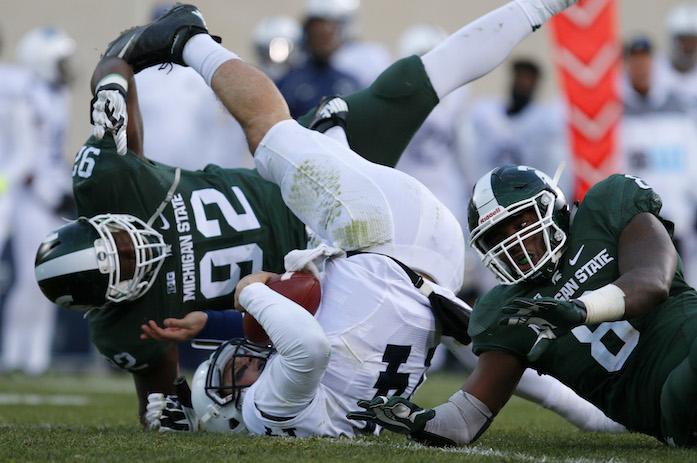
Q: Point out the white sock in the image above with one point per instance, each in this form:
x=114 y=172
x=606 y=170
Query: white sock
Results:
x=477 y=48
x=539 y=11
x=338 y=134
x=205 y=55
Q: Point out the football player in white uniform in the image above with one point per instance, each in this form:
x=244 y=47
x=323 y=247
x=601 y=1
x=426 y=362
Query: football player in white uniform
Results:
x=352 y=205
x=39 y=186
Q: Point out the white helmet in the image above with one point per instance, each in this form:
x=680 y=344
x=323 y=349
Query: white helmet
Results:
x=217 y=404
x=335 y=10
x=275 y=38
x=682 y=19
x=420 y=39
x=42 y=49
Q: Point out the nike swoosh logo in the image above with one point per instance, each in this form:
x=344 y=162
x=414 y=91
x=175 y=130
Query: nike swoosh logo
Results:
x=165 y=223
x=573 y=261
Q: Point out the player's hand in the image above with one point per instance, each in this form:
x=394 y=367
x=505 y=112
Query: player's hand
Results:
x=175 y=329
x=548 y=317
x=165 y=413
x=399 y=415
x=259 y=277
x=109 y=115
x=396 y=414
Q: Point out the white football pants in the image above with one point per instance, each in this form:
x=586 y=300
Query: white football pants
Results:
x=354 y=204
x=29 y=318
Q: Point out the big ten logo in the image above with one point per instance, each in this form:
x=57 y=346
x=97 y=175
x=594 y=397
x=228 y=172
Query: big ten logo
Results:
x=171 y=283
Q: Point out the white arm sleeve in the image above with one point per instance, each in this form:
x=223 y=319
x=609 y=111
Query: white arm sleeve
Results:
x=462 y=419
x=291 y=378
x=548 y=392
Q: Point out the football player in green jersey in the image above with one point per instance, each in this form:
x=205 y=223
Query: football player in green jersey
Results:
x=594 y=297
x=216 y=224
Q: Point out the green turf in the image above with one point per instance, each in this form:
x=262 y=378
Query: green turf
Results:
x=104 y=428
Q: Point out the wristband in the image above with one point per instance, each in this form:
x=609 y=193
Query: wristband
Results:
x=113 y=82
x=604 y=304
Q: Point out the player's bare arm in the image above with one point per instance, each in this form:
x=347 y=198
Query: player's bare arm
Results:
x=647 y=264
x=461 y=420
x=157 y=378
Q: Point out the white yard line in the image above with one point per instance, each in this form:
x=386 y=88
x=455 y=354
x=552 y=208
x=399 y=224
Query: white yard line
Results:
x=42 y=399
x=474 y=451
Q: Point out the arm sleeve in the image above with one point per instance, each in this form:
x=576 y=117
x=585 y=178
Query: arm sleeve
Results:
x=291 y=378
x=462 y=419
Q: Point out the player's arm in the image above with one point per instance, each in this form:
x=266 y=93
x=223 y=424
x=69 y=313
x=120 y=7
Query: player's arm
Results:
x=463 y=418
x=289 y=382
x=647 y=263
x=158 y=378
x=114 y=77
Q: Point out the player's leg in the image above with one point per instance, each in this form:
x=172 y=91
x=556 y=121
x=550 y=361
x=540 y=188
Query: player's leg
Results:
x=29 y=317
x=679 y=403
x=397 y=103
x=246 y=92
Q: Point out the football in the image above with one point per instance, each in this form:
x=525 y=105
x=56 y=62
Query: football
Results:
x=300 y=287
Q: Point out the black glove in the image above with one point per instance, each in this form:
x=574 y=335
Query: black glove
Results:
x=549 y=317
x=399 y=415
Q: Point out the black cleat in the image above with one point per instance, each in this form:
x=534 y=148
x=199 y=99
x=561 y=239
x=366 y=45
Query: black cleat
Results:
x=332 y=111
x=161 y=41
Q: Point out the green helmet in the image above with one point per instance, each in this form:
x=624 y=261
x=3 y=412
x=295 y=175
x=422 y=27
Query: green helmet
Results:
x=89 y=263
x=504 y=194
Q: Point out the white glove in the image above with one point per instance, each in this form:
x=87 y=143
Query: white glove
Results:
x=539 y=11
x=165 y=413
x=109 y=115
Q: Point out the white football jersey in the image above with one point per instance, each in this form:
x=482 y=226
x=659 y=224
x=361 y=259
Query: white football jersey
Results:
x=382 y=335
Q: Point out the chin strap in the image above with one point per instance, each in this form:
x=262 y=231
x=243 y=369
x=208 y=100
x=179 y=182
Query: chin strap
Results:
x=557 y=173
x=211 y=412
x=168 y=197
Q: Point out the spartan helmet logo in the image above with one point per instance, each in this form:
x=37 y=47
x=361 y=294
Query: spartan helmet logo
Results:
x=523 y=194
x=89 y=263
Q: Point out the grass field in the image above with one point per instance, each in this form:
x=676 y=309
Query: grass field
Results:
x=92 y=418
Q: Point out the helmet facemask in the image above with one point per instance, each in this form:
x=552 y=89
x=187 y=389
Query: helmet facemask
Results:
x=147 y=253
x=226 y=381
x=510 y=257
x=226 y=375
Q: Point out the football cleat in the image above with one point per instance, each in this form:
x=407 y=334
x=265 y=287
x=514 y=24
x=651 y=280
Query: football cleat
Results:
x=332 y=111
x=161 y=41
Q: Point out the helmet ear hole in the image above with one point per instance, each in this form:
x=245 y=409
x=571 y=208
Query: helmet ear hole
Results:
x=233 y=423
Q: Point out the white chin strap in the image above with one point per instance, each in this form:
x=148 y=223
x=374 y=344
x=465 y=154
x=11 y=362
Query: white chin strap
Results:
x=212 y=411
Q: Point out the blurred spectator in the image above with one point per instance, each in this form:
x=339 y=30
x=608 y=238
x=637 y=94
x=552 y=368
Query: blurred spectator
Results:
x=305 y=83
x=276 y=39
x=659 y=144
x=518 y=130
x=515 y=130
x=359 y=58
x=679 y=69
x=40 y=187
x=184 y=123
x=433 y=155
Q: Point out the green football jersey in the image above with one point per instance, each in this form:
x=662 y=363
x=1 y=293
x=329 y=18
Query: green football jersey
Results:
x=221 y=224
x=618 y=366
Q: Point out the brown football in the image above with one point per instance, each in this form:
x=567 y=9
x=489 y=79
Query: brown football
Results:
x=300 y=287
